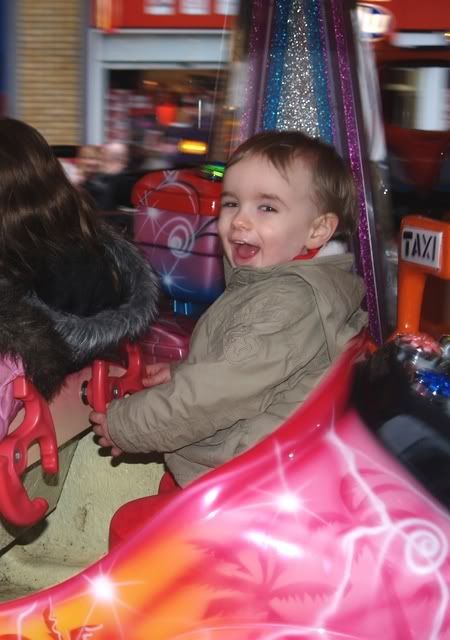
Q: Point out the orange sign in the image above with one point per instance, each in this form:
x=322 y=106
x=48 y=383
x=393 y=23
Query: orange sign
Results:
x=107 y=14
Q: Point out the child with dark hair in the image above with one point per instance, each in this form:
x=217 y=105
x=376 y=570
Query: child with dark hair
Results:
x=291 y=304
x=70 y=288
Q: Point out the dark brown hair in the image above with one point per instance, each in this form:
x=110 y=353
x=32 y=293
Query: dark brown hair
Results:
x=334 y=188
x=41 y=211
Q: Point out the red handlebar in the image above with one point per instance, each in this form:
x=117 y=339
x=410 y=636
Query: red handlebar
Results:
x=37 y=426
x=97 y=389
x=102 y=388
x=131 y=380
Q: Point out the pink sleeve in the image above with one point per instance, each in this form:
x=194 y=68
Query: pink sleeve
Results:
x=9 y=406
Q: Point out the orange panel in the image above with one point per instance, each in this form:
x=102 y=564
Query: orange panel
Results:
x=424 y=251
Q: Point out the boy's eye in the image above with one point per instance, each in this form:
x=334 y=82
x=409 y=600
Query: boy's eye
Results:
x=267 y=208
x=227 y=204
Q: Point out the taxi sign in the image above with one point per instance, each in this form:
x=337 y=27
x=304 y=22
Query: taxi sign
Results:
x=421 y=246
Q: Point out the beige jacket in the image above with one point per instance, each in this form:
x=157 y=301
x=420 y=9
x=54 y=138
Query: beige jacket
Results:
x=255 y=355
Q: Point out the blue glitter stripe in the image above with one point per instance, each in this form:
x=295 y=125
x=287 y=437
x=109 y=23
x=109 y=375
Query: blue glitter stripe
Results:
x=317 y=51
x=278 y=47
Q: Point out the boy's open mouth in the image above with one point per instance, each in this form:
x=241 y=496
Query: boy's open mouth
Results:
x=244 y=250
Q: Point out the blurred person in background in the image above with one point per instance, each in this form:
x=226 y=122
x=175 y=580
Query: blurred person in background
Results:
x=88 y=161
x=114 y=184
x=114 y=158
x=102 y=183
x=88 y=166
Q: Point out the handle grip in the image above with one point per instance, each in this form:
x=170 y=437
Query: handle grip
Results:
x=102 y=387
x=37 y=426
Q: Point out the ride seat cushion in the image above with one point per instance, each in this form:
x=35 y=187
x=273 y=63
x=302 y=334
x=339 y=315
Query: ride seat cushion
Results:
x=133 y=515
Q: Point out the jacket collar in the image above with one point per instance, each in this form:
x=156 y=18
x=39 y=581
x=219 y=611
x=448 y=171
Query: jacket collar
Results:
x=240 y=276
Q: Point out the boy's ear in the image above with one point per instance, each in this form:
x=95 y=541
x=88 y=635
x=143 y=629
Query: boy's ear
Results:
x=322 y=229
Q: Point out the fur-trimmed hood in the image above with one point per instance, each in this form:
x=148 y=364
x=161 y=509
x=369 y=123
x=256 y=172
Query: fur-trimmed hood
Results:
x=53 y=343
x=27 y=334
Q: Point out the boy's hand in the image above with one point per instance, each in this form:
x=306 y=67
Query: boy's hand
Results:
x=100 y=427
x=157 y=373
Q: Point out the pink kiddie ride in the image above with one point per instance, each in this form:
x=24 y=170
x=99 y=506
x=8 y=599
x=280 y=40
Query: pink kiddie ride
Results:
x=334 y=526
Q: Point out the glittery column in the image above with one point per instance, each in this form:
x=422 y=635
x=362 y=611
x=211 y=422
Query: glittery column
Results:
x=298 y=107
x=295 y=83
x=278 y=47
x=347 y=89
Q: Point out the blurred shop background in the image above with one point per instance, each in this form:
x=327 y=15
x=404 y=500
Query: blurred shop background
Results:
x=164 y=78
x=145 y=73
x=138 y=85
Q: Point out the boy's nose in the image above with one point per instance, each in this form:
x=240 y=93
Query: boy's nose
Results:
x=241 y=221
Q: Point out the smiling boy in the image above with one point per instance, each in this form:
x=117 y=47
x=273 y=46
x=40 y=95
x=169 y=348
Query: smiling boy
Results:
x=268 y=217
x=291 y=304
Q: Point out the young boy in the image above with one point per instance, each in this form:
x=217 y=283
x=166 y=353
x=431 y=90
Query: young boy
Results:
x=291 y=304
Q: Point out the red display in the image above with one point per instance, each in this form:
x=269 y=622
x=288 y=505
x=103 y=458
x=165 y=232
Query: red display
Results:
x=164 y=14
x=414 y=16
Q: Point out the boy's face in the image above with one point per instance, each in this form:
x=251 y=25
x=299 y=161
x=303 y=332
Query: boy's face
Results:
x=266 y=218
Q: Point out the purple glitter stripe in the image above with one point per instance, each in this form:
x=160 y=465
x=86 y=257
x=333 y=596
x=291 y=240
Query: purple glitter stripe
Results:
x=325 y=54
x=366 y=254
x=258 y=49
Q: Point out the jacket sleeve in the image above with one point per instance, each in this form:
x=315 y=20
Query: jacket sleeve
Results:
x=238 y=379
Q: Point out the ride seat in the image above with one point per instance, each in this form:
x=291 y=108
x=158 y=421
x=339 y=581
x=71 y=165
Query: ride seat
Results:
x=130 y=516
x=175 y=228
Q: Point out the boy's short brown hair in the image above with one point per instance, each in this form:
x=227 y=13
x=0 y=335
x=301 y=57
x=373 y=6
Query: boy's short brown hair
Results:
x=334 y=188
